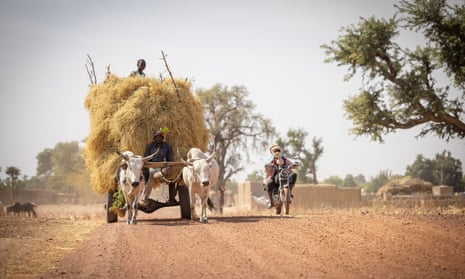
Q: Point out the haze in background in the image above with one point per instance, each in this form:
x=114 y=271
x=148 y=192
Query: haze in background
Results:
x=270 y=47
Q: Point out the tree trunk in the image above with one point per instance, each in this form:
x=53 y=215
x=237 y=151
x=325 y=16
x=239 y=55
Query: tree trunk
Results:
x=220 y=198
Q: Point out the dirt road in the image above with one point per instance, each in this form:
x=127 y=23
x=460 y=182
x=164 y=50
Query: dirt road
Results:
x=335 y=244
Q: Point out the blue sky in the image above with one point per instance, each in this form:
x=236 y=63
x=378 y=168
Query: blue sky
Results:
x=270 y=47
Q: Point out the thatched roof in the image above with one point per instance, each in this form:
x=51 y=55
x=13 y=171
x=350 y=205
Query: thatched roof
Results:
x=124 y=112
x=405 y=186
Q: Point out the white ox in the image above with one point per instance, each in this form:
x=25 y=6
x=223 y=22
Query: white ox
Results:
x=131 y=181
x=199 y=174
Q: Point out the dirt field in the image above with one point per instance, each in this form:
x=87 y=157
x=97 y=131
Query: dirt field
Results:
x=75 y=242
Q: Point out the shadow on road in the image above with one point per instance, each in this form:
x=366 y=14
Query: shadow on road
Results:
x=212 y=219
x=244 y=219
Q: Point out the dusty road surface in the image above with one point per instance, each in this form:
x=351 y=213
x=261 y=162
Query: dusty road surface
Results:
x=354 y=243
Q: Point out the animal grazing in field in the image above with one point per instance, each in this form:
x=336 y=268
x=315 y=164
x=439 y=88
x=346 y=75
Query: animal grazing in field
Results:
x=131 y=181
x=17 y=208
x=200 y=173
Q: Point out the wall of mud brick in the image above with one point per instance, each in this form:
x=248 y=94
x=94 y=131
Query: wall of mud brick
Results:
x=412 y=201
x=39 y=196
x=305 y=195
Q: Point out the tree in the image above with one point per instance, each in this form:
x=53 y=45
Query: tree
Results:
x=422 y=168
x=378 y=181
x=294 y=147
x=400 y=90
x=349 y=181
x=255 y=176
x=334 y=179
x=442 y=170
x=234 y=127
x=2 y=183
x=56 y=167
x=44 y=162
x=13 y=173
x=360 y=179
x=449 y=170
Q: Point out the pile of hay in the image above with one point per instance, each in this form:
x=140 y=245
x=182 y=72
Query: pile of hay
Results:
x=405 y=186
x=124 y=113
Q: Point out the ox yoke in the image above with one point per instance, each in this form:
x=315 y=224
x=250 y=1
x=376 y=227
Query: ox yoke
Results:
x=156 y=165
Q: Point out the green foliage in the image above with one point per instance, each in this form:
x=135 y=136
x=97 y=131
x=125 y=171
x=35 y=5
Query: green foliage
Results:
x=378 y=181
x=360 y=179
x=234 y=126
x=13 y=174
x=44 y=162
x=349 y=181
x=442 y=170
x=399 y=85
x=67 y=158
x=62 y=169
x=255 y=176
x=36 y=182
x=334 y=179
x=118 y=200
x=422 y=168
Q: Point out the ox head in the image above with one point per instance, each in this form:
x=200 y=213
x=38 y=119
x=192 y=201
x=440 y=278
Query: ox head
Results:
x=132 y=167
x=202 y=168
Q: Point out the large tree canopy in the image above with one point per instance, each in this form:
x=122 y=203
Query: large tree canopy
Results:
x=400 y=86
x=62 y=168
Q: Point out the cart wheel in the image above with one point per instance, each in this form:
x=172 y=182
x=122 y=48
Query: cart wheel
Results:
x=184 y=201
x=111 y=216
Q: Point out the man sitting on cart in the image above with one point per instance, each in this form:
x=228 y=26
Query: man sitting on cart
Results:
x=165 y=154
x=270 y=181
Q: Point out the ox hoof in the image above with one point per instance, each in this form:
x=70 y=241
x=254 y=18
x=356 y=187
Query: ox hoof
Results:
x=204 y=220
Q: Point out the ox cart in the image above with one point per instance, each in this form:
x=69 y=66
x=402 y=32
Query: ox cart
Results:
x=152 y=205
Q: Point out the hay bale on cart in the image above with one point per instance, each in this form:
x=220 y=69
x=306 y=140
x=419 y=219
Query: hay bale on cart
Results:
x=124 y=112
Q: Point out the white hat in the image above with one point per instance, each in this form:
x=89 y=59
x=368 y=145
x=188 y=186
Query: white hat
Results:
x=274 y=146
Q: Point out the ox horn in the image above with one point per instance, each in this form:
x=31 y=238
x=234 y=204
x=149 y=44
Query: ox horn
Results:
x=121 y=154
x=212 y=156
x=148 y=158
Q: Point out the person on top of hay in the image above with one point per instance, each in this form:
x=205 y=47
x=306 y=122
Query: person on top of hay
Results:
x=270 y=179
x=165 y=154
x=140 y=69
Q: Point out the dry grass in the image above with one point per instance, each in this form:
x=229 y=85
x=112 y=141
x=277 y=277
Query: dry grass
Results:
x=406 y=186
x=384 y=209
x=72 y=212
x=30 y=246
x=124 y=112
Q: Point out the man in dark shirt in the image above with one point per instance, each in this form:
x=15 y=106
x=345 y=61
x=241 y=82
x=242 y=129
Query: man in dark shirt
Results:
x=165 y=154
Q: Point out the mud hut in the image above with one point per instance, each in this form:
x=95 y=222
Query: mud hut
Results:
x=124 y=112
